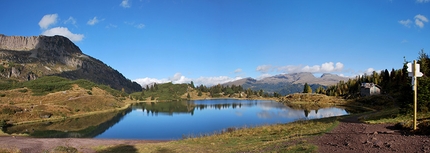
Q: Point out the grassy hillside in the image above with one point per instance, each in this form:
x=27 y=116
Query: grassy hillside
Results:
x=54 y=97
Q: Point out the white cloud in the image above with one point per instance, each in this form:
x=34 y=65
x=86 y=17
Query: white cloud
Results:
x=48 y=20
x=323 y=68
x=423 y=1
x=404 y=41
x=264 y=68
x=178 y=78
x=369 y=71
x=70 y=20
x=94 y=21
x=111 y=26
x=140 y=26
x=210 y=81
x=125 y=4
x=146 y=81
x=419 y=20
x=238 y=70
x=264 y=75
x=63 y=31
x=406 y=23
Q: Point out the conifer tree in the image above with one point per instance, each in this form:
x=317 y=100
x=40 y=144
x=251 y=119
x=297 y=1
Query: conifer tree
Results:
x=307 y=88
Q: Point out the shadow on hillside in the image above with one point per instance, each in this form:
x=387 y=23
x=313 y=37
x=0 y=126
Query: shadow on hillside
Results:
x=119 y=149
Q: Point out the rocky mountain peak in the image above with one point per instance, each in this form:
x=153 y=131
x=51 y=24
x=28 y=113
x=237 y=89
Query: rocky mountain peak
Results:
x=27 y=58
x=58 y=44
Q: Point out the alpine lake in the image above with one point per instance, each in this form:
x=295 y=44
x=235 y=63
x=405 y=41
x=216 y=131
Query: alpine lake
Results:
x=176 y=120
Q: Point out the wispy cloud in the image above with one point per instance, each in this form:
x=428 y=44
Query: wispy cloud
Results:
x=423 y=1
x=70 y=20
x=323 y=68
x=94 y=21
x=238 y=70
x=140 y=26
x=125 y=4
x=136 y=25
x=48 y=20
x=63 y=31
x=264 y=68
x=178 y=78
x=406 y=23
x=419 y=20
x=111 y=26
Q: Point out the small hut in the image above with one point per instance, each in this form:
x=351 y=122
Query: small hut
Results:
x=368 y=89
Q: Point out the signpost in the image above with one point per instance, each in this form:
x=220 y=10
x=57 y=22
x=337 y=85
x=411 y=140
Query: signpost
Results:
x=414 y=72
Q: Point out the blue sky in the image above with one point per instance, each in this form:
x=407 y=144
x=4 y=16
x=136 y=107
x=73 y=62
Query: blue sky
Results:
x=215 y=41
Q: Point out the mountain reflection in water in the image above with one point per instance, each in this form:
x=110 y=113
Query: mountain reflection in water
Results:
x=174 y=120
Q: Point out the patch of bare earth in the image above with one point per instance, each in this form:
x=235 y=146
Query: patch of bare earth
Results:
x=85 y=145
x=353 y=136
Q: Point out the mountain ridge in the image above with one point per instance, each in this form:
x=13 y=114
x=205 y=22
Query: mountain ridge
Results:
x=288 y=83
x=25 y=58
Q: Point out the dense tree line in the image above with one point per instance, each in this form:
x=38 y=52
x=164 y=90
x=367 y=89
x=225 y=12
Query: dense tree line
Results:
x=394 y=83
x=233 y=90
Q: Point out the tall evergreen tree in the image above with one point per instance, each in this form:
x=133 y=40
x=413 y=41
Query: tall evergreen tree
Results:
x=307 y=88
x=192 y=85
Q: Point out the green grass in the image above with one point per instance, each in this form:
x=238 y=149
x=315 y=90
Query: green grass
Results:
x=50 y=84
x=392 y=116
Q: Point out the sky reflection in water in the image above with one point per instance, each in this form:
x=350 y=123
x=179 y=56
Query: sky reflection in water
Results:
x=173 y=120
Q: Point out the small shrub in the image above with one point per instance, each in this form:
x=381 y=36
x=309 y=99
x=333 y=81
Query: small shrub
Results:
x=23 y=90
x=10 y=110
x=2 y=123
x=424 y=127
x=89 y=92
x=66 y=149
x=2 y=95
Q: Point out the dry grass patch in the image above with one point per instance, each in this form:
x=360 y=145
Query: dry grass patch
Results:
x=19 y=107
x=312 y=98
x=269 y=138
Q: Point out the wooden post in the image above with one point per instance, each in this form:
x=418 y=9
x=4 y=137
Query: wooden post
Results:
x=415 y=93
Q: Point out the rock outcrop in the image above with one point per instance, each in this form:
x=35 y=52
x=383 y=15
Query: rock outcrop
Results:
x=27 y=58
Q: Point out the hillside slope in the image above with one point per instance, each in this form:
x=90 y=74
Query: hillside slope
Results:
x=28 y=58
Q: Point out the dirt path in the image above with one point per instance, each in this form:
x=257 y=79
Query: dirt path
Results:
x=36 y=145
x=353 y=136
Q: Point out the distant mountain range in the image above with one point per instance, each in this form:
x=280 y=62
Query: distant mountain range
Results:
x=288 y=83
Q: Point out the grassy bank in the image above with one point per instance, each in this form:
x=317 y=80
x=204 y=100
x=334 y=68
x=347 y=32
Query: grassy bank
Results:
x=289 y=137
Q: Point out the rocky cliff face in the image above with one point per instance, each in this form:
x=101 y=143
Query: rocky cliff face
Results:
x=27 y=58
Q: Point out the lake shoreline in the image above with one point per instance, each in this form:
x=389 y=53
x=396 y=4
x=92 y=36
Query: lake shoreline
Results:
x=128 y=103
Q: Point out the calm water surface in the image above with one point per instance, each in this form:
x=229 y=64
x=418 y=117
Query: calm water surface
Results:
x=173 y=120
